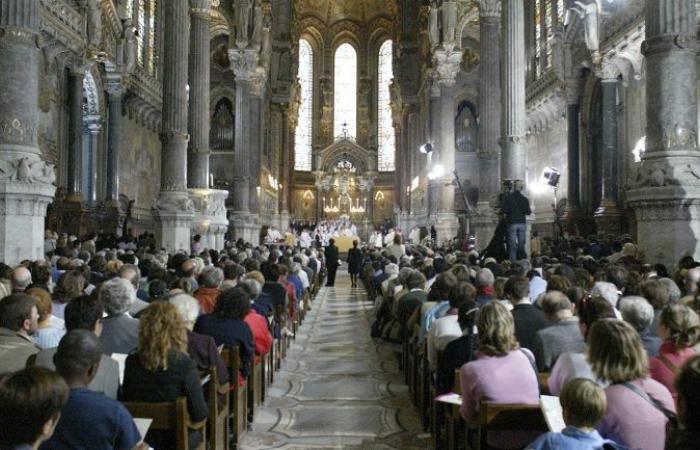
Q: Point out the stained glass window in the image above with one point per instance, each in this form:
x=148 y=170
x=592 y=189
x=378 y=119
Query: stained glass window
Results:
x=151 y=37
x=345 y=95
x=304 y=133
x=386 y=136
x=538 y=37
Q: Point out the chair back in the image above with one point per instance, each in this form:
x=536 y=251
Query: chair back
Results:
x=509 y=418
x=218 y=401
x=170 y=416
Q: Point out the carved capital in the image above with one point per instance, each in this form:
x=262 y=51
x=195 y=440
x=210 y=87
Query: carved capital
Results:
x=447 y=66
x=489 y=8
x=29 y=169
x=607 y=70
x=245 y=64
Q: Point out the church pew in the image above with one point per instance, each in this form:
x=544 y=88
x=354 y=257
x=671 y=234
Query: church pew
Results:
x=425 y=381
x=505 y=418
x=414 y=365
x=218 y=401
x=238 y=394
x=255 y=382
x=170 y=416
x=454 y=436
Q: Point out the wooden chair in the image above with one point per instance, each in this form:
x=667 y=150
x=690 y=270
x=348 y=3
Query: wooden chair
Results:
x=415 y=366
x=507 y=418
x=238 y=394
x=426 y=404
x=170 y=416
x=543 y=380
x=255 y=382
x=454 y=423
x=218 y=400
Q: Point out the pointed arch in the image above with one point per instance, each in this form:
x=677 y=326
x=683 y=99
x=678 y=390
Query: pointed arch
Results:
x=303 y=137
x=386 y=137
x=345 y=90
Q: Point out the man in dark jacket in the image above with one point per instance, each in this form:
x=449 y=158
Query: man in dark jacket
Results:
x=528 y=319
x=515 y=208
x=331 y=253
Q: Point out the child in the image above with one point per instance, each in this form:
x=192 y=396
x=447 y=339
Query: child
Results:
x=583 y=403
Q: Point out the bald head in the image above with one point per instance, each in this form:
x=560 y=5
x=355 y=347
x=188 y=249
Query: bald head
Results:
x=21 y=278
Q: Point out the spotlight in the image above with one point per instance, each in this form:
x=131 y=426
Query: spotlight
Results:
x=426 y=149
x=551 y=176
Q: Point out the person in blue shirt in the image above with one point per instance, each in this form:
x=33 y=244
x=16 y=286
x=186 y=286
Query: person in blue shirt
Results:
x=583 y=404
x=89 y=419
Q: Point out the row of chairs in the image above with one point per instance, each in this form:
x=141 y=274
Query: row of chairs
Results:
x=444 y=420
x=231 y=404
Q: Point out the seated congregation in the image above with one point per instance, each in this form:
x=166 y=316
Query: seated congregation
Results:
x=484 y=344
x=94 y=342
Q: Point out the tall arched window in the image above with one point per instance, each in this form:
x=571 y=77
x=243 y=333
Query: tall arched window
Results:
x=466 y=128
x=304 y=132
x=345 y=95
x=546 y=13
x=221 y=134
x=386 y=136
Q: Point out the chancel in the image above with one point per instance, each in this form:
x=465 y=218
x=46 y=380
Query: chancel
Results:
x=349 y=224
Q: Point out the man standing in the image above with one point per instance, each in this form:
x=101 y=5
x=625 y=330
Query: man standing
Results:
x=515 y=207
x=331 y=253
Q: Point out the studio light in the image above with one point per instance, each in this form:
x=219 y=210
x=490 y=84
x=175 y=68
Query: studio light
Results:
x=551 y=176
x=436 y=172
x=426 y=149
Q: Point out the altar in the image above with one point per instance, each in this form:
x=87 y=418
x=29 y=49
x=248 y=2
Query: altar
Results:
x=344 y=243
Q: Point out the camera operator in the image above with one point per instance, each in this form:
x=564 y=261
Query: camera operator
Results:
x=515 y=208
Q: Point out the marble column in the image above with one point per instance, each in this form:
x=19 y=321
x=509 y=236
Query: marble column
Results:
x=75 y=136
x=289 y=122
x=665 y=193
x=26 y=181
x=248 y=77
x=199 y=81
x=513 y=158
x=174 y=209
x=573 y=117
x=489 y=151
x=115 y=95
x=93 y=129
x=608 y=215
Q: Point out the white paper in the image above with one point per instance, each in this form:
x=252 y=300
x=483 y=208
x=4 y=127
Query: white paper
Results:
x=451 y=398
x=120 y=358
x=553 y=414
x=143 y=425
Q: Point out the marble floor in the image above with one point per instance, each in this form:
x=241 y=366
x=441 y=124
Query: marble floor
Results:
x=337 y=388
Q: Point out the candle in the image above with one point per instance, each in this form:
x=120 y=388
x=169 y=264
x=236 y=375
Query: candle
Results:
x=211 y=180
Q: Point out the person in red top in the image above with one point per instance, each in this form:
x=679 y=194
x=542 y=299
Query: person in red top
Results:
x=283 y=271
x=208 y=294
x=258 y=323
x=679 y=328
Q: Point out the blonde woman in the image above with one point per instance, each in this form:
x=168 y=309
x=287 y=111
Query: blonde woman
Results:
x=679 y=328
x=501 y=373
x=162 y=371
x=638 y=407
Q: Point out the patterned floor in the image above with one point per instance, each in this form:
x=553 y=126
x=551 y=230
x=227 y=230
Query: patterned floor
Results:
x=337 y=389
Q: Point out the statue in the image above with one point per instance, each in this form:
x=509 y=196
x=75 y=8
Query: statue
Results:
x=242 y=18
x=449 y=25
x=94 y=22
x=266 y=46
x=257 y=36
x=434 y=32
x=590 y=15
x=130 y=46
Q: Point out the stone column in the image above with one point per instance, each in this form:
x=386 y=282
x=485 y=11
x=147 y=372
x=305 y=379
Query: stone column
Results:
x=573 y=111
x=174 y=209
x=489 y=151
x=608 y=215
x=249 y=75
x=665 y=193
x=93 y=129
x=115 y=94
x=75 y=136
x=26 y=181
x=513 y=158
x=199 y=81
x=289 y=124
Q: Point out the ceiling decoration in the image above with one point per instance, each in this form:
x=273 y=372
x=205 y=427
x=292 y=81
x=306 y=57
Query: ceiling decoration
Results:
x=334 y=11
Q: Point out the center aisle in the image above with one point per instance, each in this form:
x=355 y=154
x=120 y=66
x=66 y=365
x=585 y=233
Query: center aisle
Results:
x=337 y=389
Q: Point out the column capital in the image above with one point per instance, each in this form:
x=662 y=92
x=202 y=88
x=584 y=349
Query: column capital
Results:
x=447 y=66
x=115 y=90
x=489 y=9
x=607 y=71
x=245 y=64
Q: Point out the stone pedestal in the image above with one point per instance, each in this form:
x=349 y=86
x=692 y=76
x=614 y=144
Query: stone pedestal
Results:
x=112 y=218
x=446 y=225
x=210 y=219
x=76 y=217
x=173 y=214
x=246 y=227
x=26 y=181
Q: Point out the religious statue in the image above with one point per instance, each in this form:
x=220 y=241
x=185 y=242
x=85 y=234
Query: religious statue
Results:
x=590 y=15
x=130 y=46
x=449 y=25
x=94 y=22
x=434 y=32
x=266 y=45
x=243 y=10
x=256 y=39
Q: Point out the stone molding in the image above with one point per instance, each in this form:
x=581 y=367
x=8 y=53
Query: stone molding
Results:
x=489 y=9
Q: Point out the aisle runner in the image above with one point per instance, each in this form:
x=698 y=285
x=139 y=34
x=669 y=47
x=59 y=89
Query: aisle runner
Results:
x=337 y=389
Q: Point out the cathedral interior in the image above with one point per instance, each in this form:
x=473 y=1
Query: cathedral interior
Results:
x=232 y=116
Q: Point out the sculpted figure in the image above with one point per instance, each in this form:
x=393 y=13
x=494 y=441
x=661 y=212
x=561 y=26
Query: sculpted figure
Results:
x=94 y=21
x=242 y=19
x=434 y=32
x=590 y=14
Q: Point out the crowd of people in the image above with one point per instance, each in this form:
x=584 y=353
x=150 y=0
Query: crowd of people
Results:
x=616 y=339
x=66 y=319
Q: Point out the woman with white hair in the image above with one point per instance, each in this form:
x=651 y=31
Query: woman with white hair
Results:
x=201 y=348
x=120 y=331
x=393 y=271
x=639 y=313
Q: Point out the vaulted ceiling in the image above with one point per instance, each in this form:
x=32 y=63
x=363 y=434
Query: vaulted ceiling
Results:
x=359 y=11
